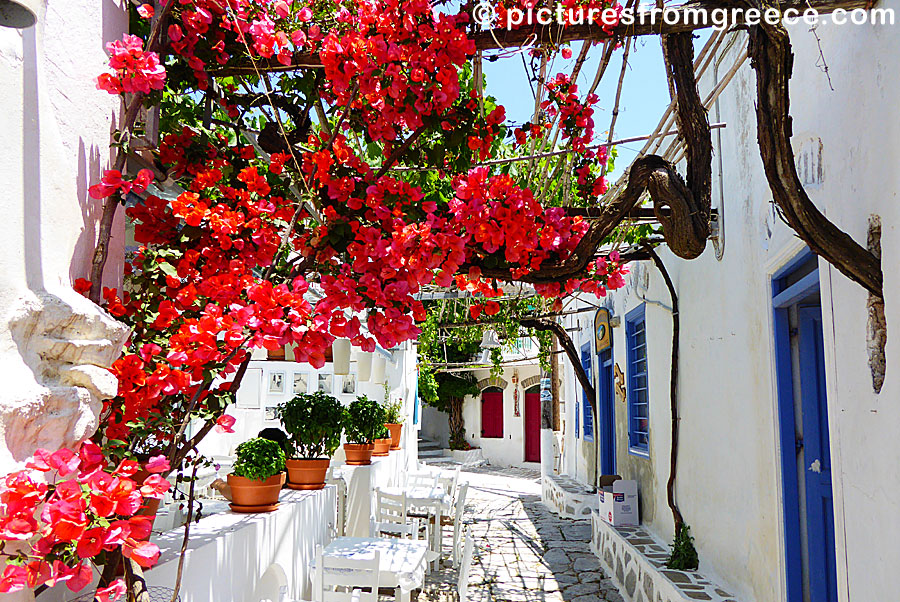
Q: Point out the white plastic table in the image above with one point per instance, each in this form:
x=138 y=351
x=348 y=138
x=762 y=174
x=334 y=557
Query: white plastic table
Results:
x=402 y=560
x=432 y=499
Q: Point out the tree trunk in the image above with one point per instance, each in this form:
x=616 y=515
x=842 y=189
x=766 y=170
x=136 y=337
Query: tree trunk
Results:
x=772 y=59
x=673 y=393
x=457 y=425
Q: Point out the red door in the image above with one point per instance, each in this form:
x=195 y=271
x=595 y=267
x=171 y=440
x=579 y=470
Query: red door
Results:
x=492 y=414
x=532 y=427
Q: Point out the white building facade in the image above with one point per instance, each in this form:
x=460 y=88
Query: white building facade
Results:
x=787 y=455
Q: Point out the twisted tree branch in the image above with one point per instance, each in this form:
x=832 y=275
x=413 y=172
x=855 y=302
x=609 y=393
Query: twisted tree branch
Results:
x=772 y=59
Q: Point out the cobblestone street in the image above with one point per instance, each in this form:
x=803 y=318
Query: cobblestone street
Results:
x=523 y=551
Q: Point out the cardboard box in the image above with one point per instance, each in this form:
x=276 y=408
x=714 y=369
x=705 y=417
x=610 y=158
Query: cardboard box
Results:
x=619 y=504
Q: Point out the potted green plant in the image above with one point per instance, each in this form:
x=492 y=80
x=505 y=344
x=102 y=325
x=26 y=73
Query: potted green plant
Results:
x=382 y=442
x=393 y=421
x=363 y=421
x=314 y=423
x=257 y=476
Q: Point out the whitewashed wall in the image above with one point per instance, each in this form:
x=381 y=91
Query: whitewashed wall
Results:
x=56 y=127
x=729 y=482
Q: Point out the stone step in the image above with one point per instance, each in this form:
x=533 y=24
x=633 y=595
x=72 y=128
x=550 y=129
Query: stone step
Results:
x=431 y=453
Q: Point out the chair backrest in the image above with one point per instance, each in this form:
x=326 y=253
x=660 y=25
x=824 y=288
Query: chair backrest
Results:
x=411 y=530
x=390 y=508
x=457 y=518
x=421 y=479
x=450 y=482
x=460 y=502
x=462 y=584
x=345 y=579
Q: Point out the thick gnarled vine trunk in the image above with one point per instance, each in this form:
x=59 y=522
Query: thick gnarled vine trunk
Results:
x=772 y=59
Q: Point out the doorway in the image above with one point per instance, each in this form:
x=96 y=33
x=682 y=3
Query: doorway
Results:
x=533 y=424
x=492 y=413
x=606 y=410
x=803 y=431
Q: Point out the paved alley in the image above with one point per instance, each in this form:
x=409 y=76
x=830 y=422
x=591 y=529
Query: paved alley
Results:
x=523 y=551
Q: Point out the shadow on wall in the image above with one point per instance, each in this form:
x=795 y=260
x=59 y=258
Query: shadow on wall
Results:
x=91 y=210
x=31 y=162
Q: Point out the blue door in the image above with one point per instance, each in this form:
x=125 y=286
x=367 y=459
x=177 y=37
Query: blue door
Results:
x=816 y=456
x=803 y=431
x=607 y=417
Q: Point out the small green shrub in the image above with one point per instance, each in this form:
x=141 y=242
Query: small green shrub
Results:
x=258 y=459
x=393 y=412
x=363 y=420
x=314 y=423
x=683 y=556
x=383 y=433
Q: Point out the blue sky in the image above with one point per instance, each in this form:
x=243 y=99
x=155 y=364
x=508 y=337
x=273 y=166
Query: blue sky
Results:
x=645 y=94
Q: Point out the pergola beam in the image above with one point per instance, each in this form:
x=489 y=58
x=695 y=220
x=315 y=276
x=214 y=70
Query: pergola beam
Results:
x=679 y=19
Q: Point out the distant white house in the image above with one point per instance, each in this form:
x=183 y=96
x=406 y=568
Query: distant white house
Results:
x=787 y=459
x=504 y=419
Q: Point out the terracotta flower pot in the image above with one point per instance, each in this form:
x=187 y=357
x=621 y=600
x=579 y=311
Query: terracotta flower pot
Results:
x=395 y=430
x=382 y=447
x=307 y=473
x=359 y=454
x=255 y=496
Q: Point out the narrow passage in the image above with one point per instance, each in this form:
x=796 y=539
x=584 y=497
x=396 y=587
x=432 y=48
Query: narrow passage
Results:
x=523 y=552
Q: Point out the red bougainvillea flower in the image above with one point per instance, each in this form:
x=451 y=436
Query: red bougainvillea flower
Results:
x=91 y=543
x=155 y=487
x=224 y=424
x=145 y=11
x=87 y=510
x=82 y=285
x=157 y=464
x=143 y=552
x=134 y=69
x=13 y=579
x=111 y=593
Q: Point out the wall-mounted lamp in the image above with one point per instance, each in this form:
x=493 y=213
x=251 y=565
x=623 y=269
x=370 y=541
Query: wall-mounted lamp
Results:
x=19 y=14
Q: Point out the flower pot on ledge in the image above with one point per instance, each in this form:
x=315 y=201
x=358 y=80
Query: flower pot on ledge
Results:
x=395 y=430
x=382 y=447
x=248 y=495
x=359 y=454
x=307 y=473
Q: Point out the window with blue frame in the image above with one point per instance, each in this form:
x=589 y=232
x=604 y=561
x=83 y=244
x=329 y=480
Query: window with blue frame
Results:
x=587 y=414
x=638 y=393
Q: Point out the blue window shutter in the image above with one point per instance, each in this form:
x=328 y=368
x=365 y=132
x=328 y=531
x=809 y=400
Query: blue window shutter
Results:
x=586 y=418
x=637 y=381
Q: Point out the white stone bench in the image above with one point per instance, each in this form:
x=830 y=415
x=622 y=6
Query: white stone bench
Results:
x=636 y=560
x=567 y=497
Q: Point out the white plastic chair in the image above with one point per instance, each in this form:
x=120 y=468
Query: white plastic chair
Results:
x=462 y=584
x=421 y=479
x=392 y=517
x=450 y=481
x=457 y=520
x=345 y=579
x=341 y=495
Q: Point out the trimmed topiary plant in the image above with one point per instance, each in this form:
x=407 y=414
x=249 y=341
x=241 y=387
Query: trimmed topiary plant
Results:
x=363 y=423
x=314 y=423
x=258 y=459
x=363 y=420
x=257 y=476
